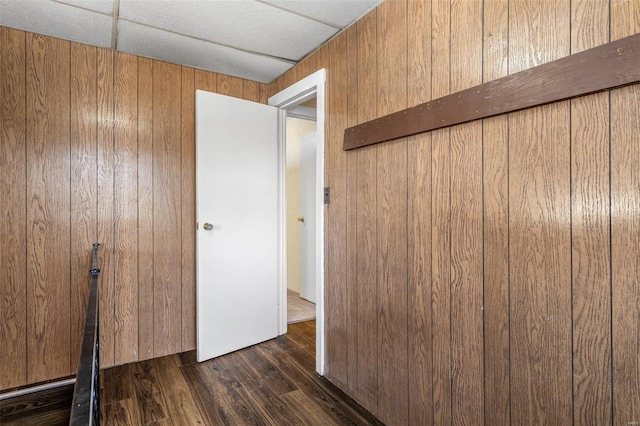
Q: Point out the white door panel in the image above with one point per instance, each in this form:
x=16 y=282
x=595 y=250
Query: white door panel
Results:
x=236 y=193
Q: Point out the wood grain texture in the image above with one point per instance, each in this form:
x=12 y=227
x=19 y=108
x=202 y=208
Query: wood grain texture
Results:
x=625 y=235
x=145 y=210
x=590 y=231
x=188 y=205
x=105 y=205
x=206 y=81
x=13 y=205
x=86 y=125
x=230 y=86
x=539 y=233
x=84 y=185
x=125 y=209
x=440 y=221
x=351 y=281
x=251 y=90
x=604 y=67
x=496 y=224
x=420 y=353
x=467 y=292
x=366 y=240
x=48 y=208
x=336 y=219
x=167 y=290
x=273 y=383
x=391 y=226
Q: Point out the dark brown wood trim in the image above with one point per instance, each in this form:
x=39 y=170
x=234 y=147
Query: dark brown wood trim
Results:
x=604 y=67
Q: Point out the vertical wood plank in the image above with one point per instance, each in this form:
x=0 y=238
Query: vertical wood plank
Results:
x=303 y=68
x=105 y=205
x=206 y=81
x=539 y=227
x=251 y=90
x=625 y=234
x=335 y=288
x=145 y=209
x=84 y=185
x=366 y=240
x=167 y=290
x=393 y=374
x=289 y=78
x=188 y=205
x=351 y=296
x=420 y=352
x=230 y=86
x=125 y=177
x=467 y=292
x=440 y=220
x=48 y=209
x=496 y=223
x=590 y=219
x=13 y=205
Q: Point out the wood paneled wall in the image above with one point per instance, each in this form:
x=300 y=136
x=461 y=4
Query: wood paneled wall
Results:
x=96 y=146
x=484 y=273
x=488 y=272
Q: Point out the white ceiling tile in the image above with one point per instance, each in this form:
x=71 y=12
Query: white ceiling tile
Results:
x=245 y=24
x=175 y=48
x=340 y=13
x=57 y=20
x=102 y=6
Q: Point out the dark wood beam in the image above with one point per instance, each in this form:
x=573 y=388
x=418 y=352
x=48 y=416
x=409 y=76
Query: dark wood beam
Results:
x=604 y=67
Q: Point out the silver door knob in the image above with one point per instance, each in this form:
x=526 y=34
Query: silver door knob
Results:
x=207 y=226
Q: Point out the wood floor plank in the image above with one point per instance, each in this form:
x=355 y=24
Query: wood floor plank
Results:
x=50 y=407
x=311 y=413
x=273 y=383
x=180 y=403
x=150 y=401
x=122 y=412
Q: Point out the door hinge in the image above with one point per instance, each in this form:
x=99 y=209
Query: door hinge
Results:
x=327 y=195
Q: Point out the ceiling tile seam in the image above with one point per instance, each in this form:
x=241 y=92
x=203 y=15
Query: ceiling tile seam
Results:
x=240 y=49
x=114 y=24
x=302 y=15
x=81 y=7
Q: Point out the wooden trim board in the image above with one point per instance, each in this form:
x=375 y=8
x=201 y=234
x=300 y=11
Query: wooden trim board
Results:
x=604 y=67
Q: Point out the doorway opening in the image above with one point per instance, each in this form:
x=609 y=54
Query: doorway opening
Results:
x=300 y=176
x=293 y=102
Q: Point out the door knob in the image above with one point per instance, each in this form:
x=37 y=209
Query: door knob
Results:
x=301 y=219
x=207 y=226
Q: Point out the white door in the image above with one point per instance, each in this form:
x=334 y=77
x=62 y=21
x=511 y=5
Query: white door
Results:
x=308 y=209
x=237 y=235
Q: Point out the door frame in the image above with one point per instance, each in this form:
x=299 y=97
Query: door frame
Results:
x=305 y=89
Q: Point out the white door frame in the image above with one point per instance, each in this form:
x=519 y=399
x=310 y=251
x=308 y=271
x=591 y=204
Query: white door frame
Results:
x=307 y=88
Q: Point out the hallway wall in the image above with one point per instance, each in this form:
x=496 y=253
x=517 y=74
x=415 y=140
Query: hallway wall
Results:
x=487 y=272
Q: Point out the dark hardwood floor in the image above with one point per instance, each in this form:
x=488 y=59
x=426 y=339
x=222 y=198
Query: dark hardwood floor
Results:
x=51 y=407
x=273 y=383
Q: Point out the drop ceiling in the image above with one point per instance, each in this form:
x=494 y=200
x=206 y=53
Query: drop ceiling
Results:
x=254 y=39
